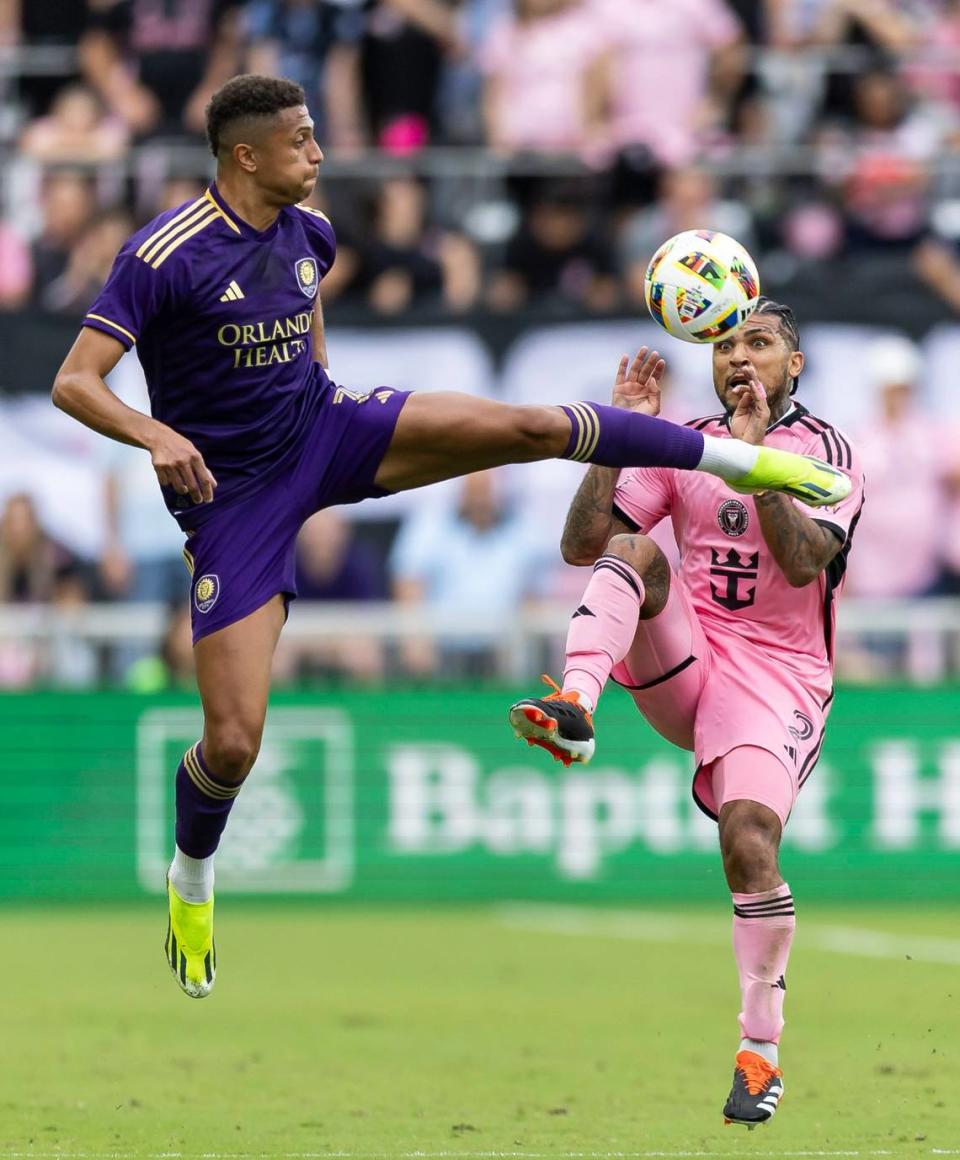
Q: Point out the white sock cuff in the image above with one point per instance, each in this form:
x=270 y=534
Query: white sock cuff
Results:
x=731 y=459
x=192 y=878
x=763 y=1047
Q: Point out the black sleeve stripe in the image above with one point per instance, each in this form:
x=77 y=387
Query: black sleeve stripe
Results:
x=818 y=426
x=839 y=532
x=834 y=574
x=827 y=449
x=619 y=514
x=837 y=450
x=699 y=424
x=848 y=457
x=840 y=442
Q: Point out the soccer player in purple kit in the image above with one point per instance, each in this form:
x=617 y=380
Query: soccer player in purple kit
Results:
x=249 y=436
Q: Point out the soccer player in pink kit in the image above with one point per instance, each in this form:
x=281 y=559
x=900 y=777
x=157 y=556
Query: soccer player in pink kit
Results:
x=731 y=657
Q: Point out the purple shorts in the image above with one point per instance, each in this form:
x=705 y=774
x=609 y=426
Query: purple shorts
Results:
x=243 y=555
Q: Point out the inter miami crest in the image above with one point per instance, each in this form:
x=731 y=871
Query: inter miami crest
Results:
x=733 y=517
x=307 y=278
x=205 y=592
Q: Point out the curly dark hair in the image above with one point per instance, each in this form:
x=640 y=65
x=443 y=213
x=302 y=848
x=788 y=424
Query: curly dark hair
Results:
x=788 y=326
x=250 y=95
x=788 y=320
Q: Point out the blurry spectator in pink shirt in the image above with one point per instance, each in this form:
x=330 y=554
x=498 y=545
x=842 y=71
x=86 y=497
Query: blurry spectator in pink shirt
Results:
x=678 y=64
x=546 y=69
x=76 y=130
x=16 y=269
x=899 y=538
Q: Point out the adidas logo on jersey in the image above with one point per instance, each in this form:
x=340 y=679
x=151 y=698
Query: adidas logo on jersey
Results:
x=233 y=292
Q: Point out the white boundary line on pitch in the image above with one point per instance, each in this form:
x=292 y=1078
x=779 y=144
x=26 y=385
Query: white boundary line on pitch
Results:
x=670 y=928
x=451 y=1155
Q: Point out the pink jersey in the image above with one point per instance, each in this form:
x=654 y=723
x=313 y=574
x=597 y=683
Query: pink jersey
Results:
x=670 y=45
x=738 y=592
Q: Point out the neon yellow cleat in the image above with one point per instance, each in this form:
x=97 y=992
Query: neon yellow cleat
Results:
x=190 y=949
x=810 y=480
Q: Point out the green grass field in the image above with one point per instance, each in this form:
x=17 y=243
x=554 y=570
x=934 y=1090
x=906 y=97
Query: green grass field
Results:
x=515 y=1031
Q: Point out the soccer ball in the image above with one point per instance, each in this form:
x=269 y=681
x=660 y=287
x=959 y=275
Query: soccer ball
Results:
x=701 y=285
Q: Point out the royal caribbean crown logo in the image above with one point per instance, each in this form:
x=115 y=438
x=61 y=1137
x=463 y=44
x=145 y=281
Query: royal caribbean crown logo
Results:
x=205 y=592
x=307 y=276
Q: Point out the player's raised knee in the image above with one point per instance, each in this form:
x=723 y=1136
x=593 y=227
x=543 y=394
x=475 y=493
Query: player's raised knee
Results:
x=231 y=750
x=637 y=550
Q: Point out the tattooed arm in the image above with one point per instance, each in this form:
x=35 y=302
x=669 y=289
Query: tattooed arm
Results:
x=801 y=546
x=590 y=520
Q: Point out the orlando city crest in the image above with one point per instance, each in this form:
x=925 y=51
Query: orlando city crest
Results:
x=307 y=278
x=733 y=517
x=205 y=592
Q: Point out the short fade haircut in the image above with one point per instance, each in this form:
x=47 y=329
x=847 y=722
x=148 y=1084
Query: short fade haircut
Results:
x=787 y=323
x=246 y=96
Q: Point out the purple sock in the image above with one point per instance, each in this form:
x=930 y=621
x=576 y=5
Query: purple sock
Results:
x=612 y=437
x=203 y=805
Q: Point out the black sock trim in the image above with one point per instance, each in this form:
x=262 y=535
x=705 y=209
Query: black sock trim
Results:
x=787 y=912
x=615 y=564
x=771 y=907
x=763 y=903
x=624 y=519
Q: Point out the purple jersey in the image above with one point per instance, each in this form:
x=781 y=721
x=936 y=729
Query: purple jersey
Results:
x=221 y=316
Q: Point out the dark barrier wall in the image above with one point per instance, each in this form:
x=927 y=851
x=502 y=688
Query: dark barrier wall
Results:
x=424 y=794
x=876 y=290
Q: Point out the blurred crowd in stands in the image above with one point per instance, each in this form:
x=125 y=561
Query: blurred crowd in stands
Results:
x=494 y=157
x=807 y=128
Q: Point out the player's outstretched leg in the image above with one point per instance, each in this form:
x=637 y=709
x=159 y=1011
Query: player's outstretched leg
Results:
x=603 y=435
x=440 y=435
x=764 y=921
x=602 y=629
x=233 y=675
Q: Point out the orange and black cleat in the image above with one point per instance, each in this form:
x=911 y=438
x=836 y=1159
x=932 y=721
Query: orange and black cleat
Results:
x=756 y=1093
x=557 y=723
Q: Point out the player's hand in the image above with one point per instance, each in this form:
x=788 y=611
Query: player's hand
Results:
x=180 y=465
x=751 y=418
x=637 y=386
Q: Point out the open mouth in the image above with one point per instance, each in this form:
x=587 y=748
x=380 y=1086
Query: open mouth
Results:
x=740 y=379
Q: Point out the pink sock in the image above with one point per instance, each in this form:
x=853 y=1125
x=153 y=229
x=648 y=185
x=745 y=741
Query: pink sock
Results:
x=603 y=627
x=763 y=926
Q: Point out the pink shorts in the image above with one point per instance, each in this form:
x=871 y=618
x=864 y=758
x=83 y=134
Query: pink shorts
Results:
x=717 y=697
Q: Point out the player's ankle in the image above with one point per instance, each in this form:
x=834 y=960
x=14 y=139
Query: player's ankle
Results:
x=192 y=878
x=765 y=1048
x=731 y=459
x=586 y=685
